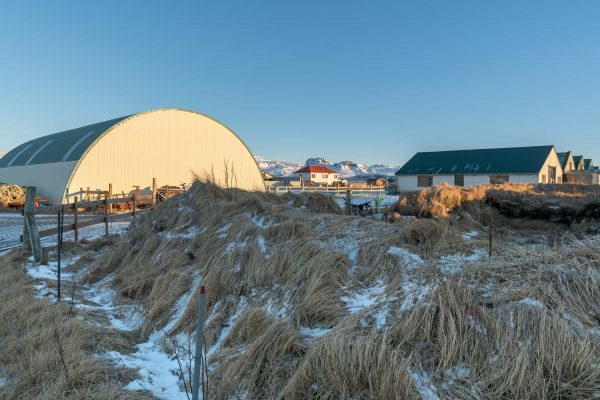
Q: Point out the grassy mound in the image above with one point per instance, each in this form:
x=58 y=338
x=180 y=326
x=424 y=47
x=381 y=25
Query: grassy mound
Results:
x=314 y=304
x=566 y=203
x=329 y=306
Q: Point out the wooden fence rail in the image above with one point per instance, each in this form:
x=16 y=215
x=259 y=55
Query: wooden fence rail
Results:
x=132 y=203
x=337 y=191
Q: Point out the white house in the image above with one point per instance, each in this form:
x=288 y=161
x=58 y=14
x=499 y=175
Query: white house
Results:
x=318 y=174
x=537 y=164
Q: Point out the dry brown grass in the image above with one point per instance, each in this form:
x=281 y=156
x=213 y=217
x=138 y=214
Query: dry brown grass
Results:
x=48 y=352
x=566 y=203
x=523 y=324
x=262 y=356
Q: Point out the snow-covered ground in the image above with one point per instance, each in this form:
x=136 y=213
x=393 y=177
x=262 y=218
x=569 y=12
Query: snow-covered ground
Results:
x=386 y=200
x=11 y=229
x=157 y=369
x=345 y=169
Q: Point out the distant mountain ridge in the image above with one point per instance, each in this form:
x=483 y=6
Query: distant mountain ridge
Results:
x=345 y=169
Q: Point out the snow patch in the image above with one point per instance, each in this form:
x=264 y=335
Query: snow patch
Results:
x=222 y=232
x=260 y=240
x=413 y=293
x=227 y=327
x=424 y=386
x=528 y=301
x=411 y=259
x=189 y=233
x=365 y=298
x=314 y=332
x=158 y=372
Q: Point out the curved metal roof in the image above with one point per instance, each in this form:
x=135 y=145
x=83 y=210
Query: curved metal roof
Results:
x=59 y=147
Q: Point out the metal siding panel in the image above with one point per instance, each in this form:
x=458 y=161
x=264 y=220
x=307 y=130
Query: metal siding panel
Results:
x=49 y=179
x=167 y=145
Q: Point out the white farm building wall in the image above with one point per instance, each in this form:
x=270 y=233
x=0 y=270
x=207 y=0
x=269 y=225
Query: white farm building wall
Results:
x=318 y=177
x=408 y=183
x=170 y=145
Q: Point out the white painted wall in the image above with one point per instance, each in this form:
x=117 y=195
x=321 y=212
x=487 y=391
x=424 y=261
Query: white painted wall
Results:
x=318 y=177
x=552 y=160
x=408 y=183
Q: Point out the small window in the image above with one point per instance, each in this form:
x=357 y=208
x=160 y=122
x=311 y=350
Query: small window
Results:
x=459 y=180
x=313 y=176
x=424 y=180
x=325 y=176
x=335 y=177
x=499 y=179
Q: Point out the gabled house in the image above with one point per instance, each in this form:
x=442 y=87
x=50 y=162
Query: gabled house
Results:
x=318 y=174
x=536 y=164
x=579 y=163
x=588 y=164
x=566 y=161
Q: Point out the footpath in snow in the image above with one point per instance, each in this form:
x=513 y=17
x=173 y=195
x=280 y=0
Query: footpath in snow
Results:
x=158 y=371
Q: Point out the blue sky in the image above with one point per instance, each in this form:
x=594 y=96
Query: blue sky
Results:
x=365 y=81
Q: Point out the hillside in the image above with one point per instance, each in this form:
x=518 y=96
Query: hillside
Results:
x=303 y=302
x=345 y=169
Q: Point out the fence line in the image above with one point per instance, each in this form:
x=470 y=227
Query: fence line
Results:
x=132 y=203
x=336 y=191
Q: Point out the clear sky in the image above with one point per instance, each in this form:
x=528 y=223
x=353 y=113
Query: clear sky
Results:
x=359 y=80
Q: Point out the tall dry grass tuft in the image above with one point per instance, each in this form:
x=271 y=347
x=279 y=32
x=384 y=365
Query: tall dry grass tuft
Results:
x=432 y=237
x=48 y=352
x=343 y=366
x=262 y=361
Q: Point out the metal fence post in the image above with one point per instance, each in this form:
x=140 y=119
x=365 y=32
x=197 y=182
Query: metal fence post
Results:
x=59 y=240
x=199 y=345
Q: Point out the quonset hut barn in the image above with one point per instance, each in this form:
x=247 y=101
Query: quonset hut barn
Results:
x=167 y=144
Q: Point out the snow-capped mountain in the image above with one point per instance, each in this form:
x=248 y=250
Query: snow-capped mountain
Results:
x=345 y=169
x=277 y=167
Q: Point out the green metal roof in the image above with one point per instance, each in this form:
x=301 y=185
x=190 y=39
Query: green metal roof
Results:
x=58 y=147
x=513 y=160
x=564 y=157
x=577 y=161
x=587 y=163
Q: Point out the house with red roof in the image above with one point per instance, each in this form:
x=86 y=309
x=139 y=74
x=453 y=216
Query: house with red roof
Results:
x=319 y=174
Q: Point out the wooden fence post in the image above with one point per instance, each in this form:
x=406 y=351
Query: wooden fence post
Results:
x=110 y=197
x=348 y=201
x=87 y=194
x=106 y=215
x=31 y=236
x=153 y=191
x=134 y=207
x=75 y=218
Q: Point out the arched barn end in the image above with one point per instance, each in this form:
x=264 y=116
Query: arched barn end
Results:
x=167 y=144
